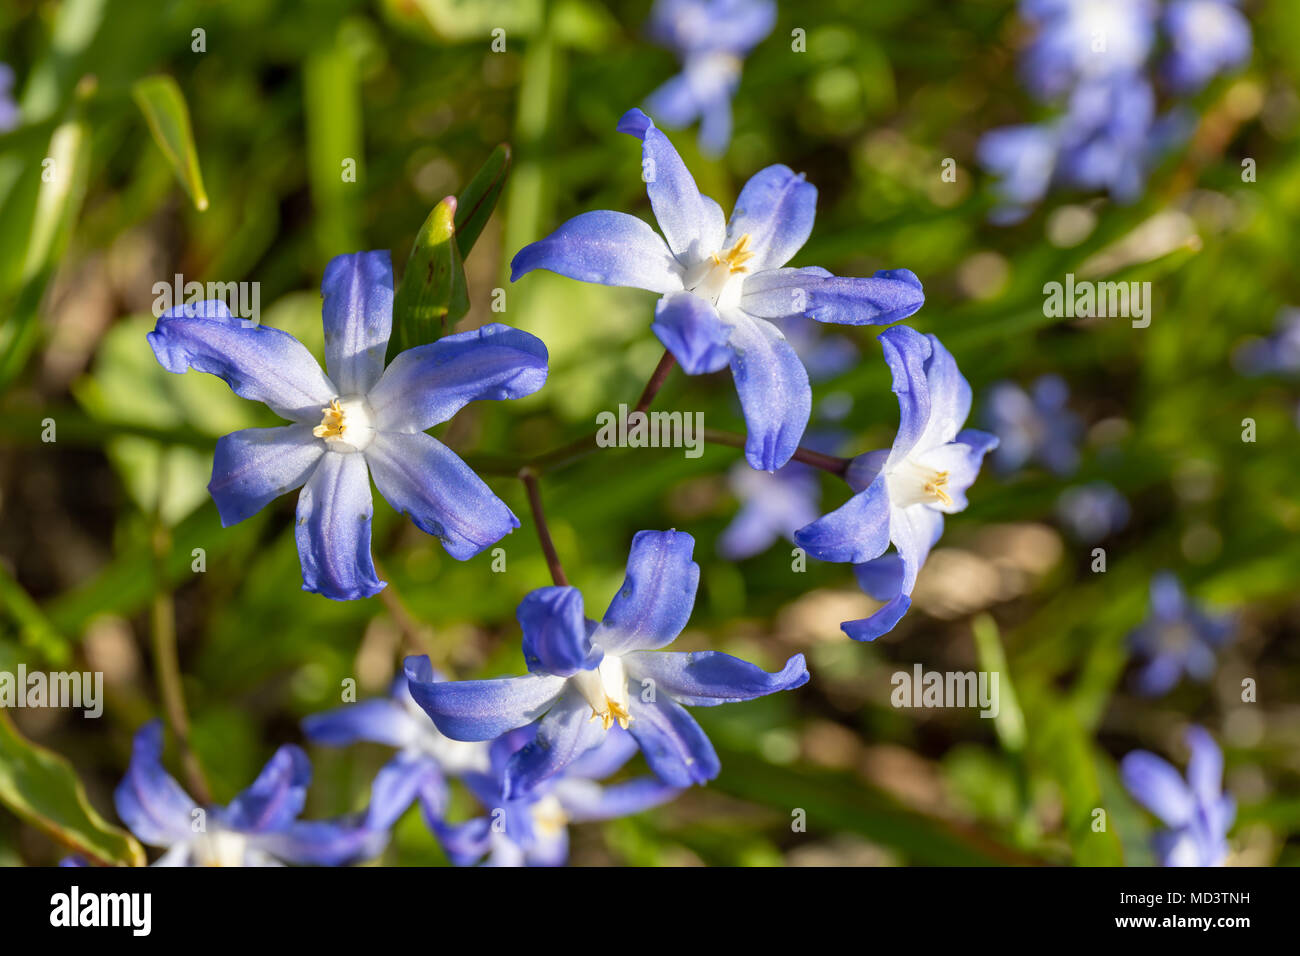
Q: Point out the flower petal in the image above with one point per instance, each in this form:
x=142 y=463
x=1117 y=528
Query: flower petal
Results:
x=1205 y=767
x=774 y=392
x=855 y=532
x=557 y=639
x=675 y=746
x=775 y=209
x=358 y=316
x=485 y=709
x=657 y=596
x=708 y=678
x=276 y=797
x=607 y=248
x=1156 y=785
x=381 y=720
x=325 y=842
x=906 y=353
x=427 y=385
x=464 y=843
x=257 y=362
x=148 y=800
x=816 y=294
x=423 y=478
x=333 y=530
x=563 y=735
x=691 y=329
x=253 y=467
x=692 y=223
x=914 y=531
x=606 y=758
x=407 y=776
x=585 y=800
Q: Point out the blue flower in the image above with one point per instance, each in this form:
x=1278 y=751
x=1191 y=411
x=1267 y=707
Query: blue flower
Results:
x=9 y=114
x=424 y=760
x=1093 y=511
x=1279 y=353
x=1206 y=38
x=903 y=492
x=1177 y=638
x=1197 y=812
x=355 y=423
x=1034 y=426
x=772 y=506
x=711 y=39
x=723 y=285
x=1077 y=41
x=531 y=829
x=260 y=827
x=585 y=677
x=1023 y=159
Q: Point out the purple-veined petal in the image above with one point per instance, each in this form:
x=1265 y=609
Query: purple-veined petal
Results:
x=708 y=678
x=775 y=209
x=607 y=248
x=692 y=223
x=950 y=397
x=563 y=735
x=407 y=776
x=606 y=758
x=774 y=392
x=691 y=329
x=276 y=797
x=881 y=577
x=464 y=843
x=881 y=622
x=675 y=746
x=485 y=709
x=148 y=800
x=427 y=385
x=657 y=596
x=381 y=720
x=586 y=800
x=557 y=638
x=1156 y=785
x=913 y=531
x=855 y=532
x=906 y=353
x=253 y=467
x=358 y=316
x=257 y=362
x=333 y=530
x=423 y=478
x=814 y=293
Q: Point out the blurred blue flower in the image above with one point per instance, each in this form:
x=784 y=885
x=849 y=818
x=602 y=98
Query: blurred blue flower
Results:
x=1034 y=426
x=1177 y=638
x=1077 y=41
x=1277 y=354
x=531 y=829
x=356 y=423
x=9 y=114
x=581 y=676
x=1023 y=160
x=711 y=39
x=903 y=492
x=722 y=284
x=1206 y=38
x=424 y=760
x=772 y=506
x=1197 y=812
x=1093 y=511
x=260 y=827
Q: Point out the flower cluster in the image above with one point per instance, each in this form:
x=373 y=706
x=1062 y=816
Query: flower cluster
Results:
x=1094 y=59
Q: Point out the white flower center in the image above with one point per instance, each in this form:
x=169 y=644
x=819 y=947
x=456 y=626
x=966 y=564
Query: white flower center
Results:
x=719 y=277
x=549 y=818
x=912 y=483
x=605 y=689
x=346 y=424
x=219 y=848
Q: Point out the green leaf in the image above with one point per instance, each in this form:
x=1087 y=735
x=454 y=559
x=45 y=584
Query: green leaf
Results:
x=432 y=294
x=42 y=788
x=477 y=200
x=163 y=105
x=1010 y=720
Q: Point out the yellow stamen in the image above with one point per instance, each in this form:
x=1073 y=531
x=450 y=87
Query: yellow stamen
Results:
x=736 y=256
x=613 y=711
x=934 y=487
x=331 y=425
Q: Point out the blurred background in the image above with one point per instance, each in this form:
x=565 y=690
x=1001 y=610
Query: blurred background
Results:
x=98 y=529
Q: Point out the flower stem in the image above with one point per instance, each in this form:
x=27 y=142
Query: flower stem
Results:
x=529 y=477
x=657 y=379
x=831 y=463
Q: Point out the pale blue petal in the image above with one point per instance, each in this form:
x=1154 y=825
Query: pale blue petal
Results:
x=253 y=467
x=691 y=329
x=358 y=317
x=607 y=248
x=485 y=709
x=774 y=392
x=708 y=678
x=557 y=636
x=657 y=596
x=776 y=209
x=333 y=530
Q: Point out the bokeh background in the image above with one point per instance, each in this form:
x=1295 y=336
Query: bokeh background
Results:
x=98 y=529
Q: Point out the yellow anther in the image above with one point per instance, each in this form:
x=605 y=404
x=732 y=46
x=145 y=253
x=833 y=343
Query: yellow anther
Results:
x=614 y=711
x=735 y=257
x=331 y=425
x=934 y=487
